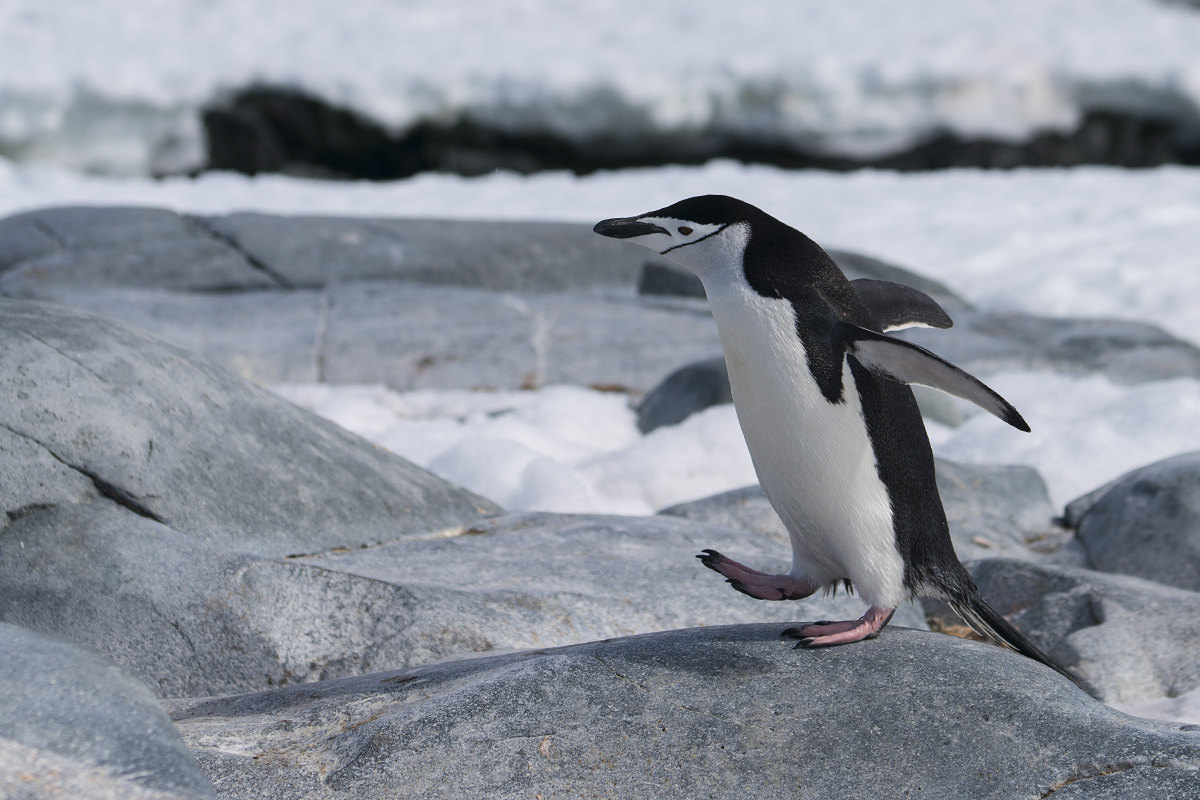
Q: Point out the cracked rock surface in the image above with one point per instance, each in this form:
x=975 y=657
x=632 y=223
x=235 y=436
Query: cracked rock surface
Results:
x=705 y=713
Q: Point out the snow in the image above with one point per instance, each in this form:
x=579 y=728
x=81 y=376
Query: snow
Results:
x=1185 y=708
x=118 y=86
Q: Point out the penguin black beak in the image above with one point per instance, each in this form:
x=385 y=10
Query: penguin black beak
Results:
x=626 y=228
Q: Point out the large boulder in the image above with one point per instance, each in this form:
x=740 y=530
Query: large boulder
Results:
x=705 y=713
x=114 y=413
x=74 y=725
x=1145 y=523
x=152 y=501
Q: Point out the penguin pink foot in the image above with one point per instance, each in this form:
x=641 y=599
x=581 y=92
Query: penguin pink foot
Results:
x=825 y=634
x=759 y=585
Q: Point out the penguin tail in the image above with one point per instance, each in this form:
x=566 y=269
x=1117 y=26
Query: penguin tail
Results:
x=988 y=622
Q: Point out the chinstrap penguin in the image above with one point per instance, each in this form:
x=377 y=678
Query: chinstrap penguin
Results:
x=833 y=430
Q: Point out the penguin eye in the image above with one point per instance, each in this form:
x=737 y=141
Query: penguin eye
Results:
x=685 y=230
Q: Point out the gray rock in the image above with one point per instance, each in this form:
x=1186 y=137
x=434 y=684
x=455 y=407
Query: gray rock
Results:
x=496 y=256
x=526 y=580
x=82 y=727
x=397 y=333
x=703 y=713
x=686 y=391
x=189 y=619
x=1124 y=352
x=1133 y=639
x=154 y=499
x=269 y=337
x=142 y=248
x=992 y=510
x=1145 y=523
x=179 y=440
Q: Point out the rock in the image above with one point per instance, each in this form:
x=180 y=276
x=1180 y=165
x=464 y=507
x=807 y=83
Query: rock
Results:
x=992 y=510
x=143 y=248
x=192 y=620
x=1145 y=523
x=1001 y=510
x=708 y=712
x=155 y=498
x=550 y=579
x=684 y=392
x=493 y=256
x=74 y=725
x=1131 y=638
x=1124 y=352
x=269 y=337
x=396 y=333
x=178 y=440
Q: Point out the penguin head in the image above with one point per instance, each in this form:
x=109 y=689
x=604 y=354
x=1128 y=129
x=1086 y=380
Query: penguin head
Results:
x=706 y=234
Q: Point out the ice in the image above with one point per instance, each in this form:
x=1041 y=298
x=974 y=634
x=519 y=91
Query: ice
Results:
x=117 y=87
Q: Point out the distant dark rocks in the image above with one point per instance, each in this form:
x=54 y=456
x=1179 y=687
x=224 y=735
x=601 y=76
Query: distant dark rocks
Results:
x=705 y=712
x=276 y=129
x=1132 y=639
x=1145 y=523
x=73 y=725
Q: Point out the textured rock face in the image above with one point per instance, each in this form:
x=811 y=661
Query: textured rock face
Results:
x=1133 y=639
x=152 y=500
x=1145 y=523
x=173 y=438
x=74 y=725
x=713 y=712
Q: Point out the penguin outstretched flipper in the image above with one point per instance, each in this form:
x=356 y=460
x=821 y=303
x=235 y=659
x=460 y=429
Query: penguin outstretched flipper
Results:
x=909 y=363
x=896 y=306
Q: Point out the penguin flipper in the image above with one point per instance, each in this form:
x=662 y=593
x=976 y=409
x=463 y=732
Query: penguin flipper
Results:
x=895 y=305
x=909 y=363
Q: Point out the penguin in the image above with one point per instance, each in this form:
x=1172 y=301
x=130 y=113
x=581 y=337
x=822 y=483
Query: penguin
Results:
x=821 y=393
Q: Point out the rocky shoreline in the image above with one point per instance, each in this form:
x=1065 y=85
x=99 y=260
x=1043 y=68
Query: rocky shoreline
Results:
x=321 y=618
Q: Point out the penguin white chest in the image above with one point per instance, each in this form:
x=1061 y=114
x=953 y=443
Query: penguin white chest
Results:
x=813 y=457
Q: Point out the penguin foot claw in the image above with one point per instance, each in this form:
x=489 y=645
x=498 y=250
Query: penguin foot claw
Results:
x=827 y=634
x=751 y=582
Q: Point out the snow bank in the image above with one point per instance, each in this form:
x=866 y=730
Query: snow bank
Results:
x=117 y=87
